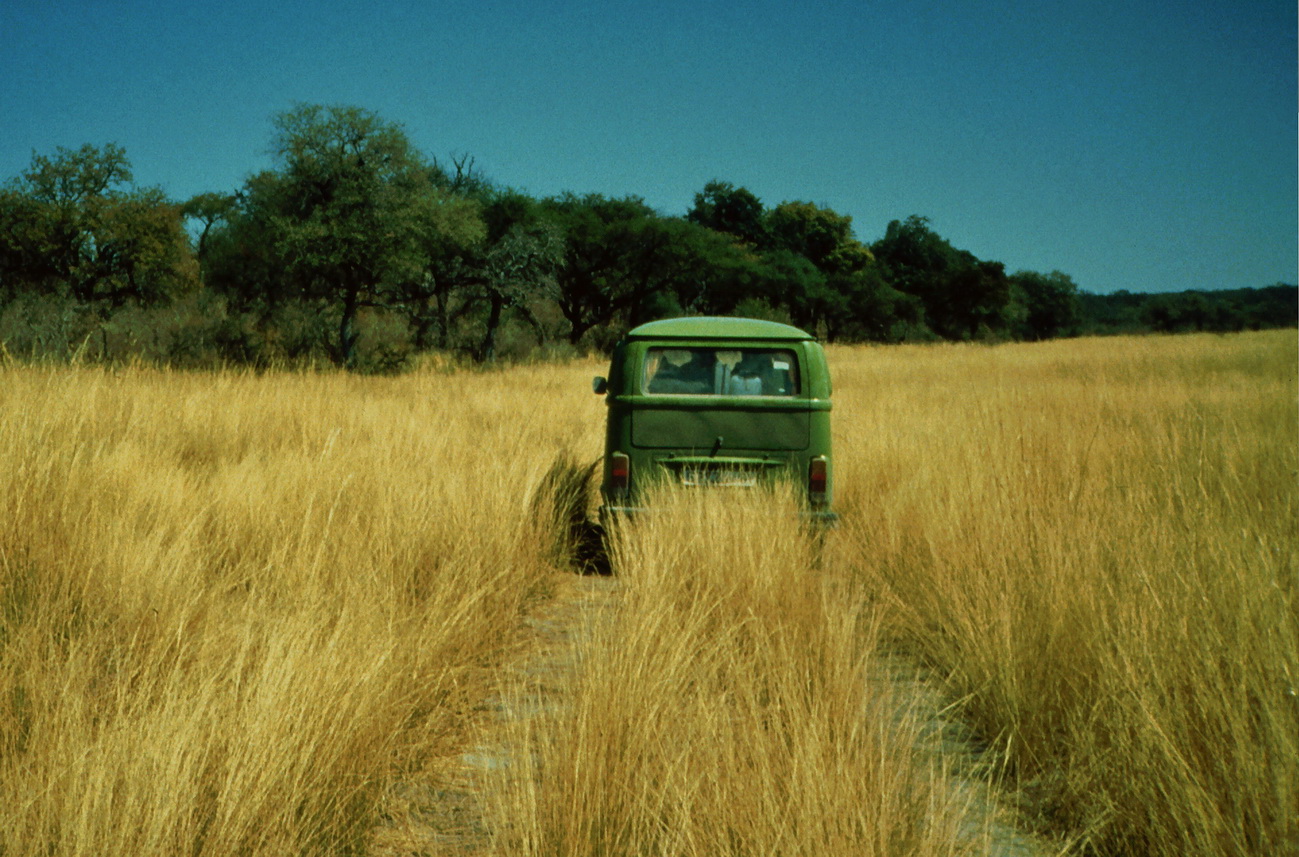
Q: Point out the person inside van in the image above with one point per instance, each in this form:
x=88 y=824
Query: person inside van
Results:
x=680 y=370
x=746 y=378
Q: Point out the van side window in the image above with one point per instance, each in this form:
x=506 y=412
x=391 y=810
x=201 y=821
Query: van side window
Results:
x=721 y=371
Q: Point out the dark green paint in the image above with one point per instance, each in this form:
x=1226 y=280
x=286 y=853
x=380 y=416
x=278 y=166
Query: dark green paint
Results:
x=666 y=436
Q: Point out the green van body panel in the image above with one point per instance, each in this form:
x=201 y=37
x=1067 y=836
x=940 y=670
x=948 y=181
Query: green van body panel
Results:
x=715 y=438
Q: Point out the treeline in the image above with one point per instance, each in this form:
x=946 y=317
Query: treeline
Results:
x=359 y=250
x=1223 y=311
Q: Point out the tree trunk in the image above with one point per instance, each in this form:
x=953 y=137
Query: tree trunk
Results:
x=487 y=351
x=347 y=333
x=443 y=299
x=576 y=331
x=423 y=327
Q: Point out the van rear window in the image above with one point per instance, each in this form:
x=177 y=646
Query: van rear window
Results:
x=721 y=371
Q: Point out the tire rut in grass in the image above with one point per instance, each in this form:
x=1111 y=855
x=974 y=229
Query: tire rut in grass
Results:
x=441 y=811
x=446 y=815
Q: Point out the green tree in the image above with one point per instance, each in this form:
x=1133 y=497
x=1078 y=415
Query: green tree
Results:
x=821 y=235
x=791 y=281
x=723 y=207
x=26 y=260
x=849 y=296
x=1049 y=303
x=450 y=235
x=623 y=263
x=241 y=255
x=868 y=308
x=1119 y=312
x=962 y=295
x=346 y=221
x=605 y=242
x=1179 y=312
x=73 y=178
x=73 y=225
x=914 y=256
x=351 y=215
x=976 y=298
x=710 y=273
x=515 y=265
x=210 y=210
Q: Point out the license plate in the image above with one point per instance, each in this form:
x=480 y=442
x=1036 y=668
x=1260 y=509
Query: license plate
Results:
x=720 y=477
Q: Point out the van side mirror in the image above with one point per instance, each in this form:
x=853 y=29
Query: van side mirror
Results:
x=599 y=385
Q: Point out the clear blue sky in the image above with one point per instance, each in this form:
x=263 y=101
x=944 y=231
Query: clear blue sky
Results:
x=1147 y=145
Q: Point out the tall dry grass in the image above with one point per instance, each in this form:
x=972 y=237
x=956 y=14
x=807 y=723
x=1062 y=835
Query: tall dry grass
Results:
x=1096 y=542
x=721 y=705
x=236 y=609
x=233 y=608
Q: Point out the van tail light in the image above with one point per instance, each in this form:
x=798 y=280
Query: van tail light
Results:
x=817 y=471
x=619 y=472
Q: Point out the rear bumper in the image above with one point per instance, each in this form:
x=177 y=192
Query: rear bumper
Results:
x=609 y=514
x=820 y=518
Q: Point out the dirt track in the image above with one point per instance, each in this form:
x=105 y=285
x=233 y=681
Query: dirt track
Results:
x=442 y=813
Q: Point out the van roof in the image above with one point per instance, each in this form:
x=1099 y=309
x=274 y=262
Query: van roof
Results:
x=716 y=327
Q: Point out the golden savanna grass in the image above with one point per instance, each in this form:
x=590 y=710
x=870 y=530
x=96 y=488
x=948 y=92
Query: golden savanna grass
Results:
x=236 y=610
x=236 y=606
x=726 y=702
x=1097 y=543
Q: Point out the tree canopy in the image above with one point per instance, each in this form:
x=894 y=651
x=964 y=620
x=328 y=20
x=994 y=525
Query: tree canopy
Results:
x=351 y=214
x=357 y=247
x=73 y=224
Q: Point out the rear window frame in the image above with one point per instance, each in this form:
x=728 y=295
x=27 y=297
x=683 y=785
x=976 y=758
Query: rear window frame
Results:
x=737 y=355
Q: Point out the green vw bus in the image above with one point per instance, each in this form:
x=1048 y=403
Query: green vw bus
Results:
x=717 y=402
